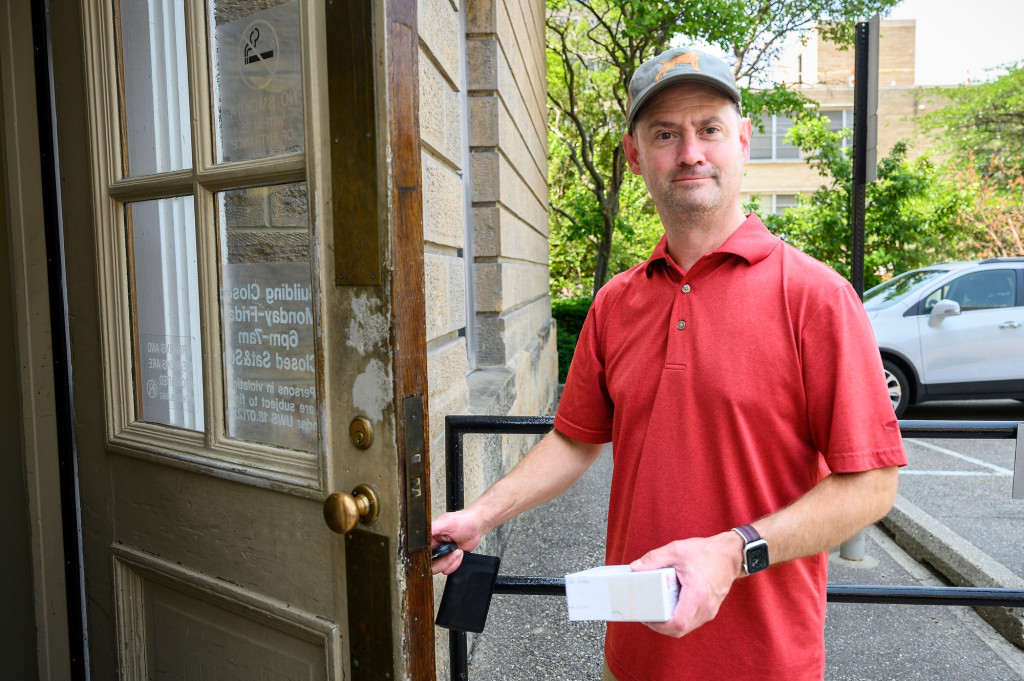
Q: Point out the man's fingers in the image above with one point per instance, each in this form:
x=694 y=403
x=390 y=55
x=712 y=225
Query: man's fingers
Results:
x=652 y=560
x=447 y=564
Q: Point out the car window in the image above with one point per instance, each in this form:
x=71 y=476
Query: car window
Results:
x=978 y=291
x=889 y=292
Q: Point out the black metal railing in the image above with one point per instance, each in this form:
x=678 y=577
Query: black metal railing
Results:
x=458 y=426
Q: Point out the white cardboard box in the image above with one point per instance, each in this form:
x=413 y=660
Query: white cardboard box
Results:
x=614 y=593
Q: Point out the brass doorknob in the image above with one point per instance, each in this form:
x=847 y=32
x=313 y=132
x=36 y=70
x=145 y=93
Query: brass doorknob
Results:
x=343 y=511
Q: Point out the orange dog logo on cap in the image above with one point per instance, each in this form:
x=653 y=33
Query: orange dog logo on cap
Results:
x=685 y=58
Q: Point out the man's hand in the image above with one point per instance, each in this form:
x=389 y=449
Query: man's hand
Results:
x=705 y=568
x=461 y=527
x=547 y=470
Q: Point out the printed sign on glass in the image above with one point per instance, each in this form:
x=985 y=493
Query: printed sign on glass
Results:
x=257 y=79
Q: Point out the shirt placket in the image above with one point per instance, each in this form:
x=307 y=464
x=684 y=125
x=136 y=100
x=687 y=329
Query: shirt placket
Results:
x=678 y=351
x=680 y=333
x=688 y=285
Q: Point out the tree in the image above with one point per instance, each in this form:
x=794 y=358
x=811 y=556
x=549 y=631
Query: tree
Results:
x=982 y=124
x=577 y=219
x=594 y=46
x=992 y=218
x=914 y=213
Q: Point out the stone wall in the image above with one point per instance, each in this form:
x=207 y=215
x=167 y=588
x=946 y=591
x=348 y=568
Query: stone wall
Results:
x=482 y=76
x=483 y=127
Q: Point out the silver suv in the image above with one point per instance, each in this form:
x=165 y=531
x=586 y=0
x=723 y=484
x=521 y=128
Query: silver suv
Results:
x=953 y=331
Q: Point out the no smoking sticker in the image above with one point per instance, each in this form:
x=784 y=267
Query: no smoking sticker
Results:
x=259 y=54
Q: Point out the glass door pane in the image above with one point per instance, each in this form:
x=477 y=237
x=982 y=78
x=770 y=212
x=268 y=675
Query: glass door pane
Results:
x=165 y=309
x=257 y=78
x=154 y=71
x=267 y=316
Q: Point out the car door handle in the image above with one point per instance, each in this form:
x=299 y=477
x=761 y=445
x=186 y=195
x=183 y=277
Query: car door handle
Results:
x=1010 y=325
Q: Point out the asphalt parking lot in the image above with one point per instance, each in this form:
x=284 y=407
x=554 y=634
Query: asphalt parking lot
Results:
x=960 y=485
x=966 y=484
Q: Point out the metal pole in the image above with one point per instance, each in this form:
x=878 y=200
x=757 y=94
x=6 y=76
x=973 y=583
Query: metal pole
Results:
x=458 y=644
x=836 y=593
x=860 y=147
x=853 y=548
x=1017 y=491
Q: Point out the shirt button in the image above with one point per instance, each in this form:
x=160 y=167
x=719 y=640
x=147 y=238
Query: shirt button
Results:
x=686 y=288
x=680 y=325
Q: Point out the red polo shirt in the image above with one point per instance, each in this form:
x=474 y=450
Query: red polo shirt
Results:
x=727 y=391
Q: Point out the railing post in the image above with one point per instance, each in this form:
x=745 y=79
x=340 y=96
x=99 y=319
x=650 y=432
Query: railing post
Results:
x=458 y=645
x=1018 y=465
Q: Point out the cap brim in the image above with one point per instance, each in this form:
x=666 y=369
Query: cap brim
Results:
x=733 y=95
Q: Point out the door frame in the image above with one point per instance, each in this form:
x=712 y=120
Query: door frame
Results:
x=43 y=398
x=408 y=309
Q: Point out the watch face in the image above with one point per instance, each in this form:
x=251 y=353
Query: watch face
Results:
x=757 y=558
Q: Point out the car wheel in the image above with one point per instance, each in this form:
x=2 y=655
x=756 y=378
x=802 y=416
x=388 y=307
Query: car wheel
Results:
x=899 y=387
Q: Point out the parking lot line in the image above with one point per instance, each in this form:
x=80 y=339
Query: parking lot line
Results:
x=997 y=470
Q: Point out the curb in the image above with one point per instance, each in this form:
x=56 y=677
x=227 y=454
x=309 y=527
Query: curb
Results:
x=961 y=562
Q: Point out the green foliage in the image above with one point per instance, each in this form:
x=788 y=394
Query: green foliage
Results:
x=912 y=210
x=569 y=314
x=572 y=241
x=600 y=222
x=981 y=127
x=981 y=124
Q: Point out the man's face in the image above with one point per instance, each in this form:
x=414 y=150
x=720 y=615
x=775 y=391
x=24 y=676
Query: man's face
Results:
x=689 y=143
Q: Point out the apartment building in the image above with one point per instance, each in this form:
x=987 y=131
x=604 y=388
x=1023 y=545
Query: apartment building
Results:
x=776 y=173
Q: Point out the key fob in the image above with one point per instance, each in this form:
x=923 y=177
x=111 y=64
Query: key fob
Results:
x=442 y=550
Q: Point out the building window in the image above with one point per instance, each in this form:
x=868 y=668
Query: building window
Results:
x=769 y=204
x=771 y=145
x=780 y=202
x=839 y=119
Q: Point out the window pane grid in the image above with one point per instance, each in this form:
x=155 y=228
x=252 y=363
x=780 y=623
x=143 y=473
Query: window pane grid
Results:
x=772 y=144
x=254 y=122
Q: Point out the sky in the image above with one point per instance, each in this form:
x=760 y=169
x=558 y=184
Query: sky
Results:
x=957 y=38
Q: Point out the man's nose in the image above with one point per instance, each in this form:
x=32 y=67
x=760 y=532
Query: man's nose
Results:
x=691 y=151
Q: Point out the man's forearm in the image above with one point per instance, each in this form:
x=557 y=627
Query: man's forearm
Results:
x=550 y=468
x=830 y=513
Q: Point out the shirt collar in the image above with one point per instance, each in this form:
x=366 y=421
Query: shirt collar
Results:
x=751 y=241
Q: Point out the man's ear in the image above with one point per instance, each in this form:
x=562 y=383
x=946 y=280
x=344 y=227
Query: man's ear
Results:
x=632 y=154
x=746 y=132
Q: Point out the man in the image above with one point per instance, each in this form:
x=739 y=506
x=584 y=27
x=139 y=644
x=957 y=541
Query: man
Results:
x=740 y=385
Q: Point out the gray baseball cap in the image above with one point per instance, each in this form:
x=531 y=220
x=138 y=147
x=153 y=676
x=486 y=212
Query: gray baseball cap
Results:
x=678 y=65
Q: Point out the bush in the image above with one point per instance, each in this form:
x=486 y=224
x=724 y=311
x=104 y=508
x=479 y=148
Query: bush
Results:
x=569 y=314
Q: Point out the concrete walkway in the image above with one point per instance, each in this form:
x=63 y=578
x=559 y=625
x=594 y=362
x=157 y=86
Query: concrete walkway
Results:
x=530 y=637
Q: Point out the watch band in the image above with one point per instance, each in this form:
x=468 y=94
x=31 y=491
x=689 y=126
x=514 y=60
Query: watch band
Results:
x=748 y=533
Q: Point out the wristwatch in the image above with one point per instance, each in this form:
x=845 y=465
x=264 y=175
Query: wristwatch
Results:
x=755 y=549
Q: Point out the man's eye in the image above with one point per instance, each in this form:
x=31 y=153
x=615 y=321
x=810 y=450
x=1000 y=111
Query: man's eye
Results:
x=663 y=135
x=711 y=131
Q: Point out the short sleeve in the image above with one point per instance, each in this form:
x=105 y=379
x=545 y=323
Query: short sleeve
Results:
x=585 y=411
x=849 y=410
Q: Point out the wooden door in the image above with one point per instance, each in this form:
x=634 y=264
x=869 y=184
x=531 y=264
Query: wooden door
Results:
x=227 y=375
